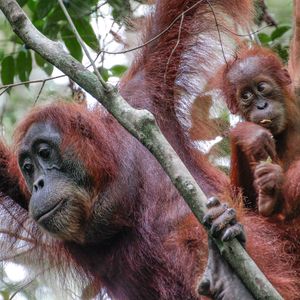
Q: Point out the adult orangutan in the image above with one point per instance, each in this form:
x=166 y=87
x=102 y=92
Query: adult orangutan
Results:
x=83 y=195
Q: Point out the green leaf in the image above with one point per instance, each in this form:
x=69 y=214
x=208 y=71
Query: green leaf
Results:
x=28 y=63
x=39 y=24
x=42 y=63
x=48 y=69
x=264 y=38
x=87 y=33
x=104 y=73
x=16 y=40
x=118 y=70
x=32 y=5
x=1 y=54
x=7 y=70
x=39 y=60
x=79 y=8
x=21 y=65
x=43 y=8
x=120 y=9
x=56 y=15
x=22 y=2
x=51 y=30
x=279 y=32
x=282 y=51
x=24 y=65
x=71 y=43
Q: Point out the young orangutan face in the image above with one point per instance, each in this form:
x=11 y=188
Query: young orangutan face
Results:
x=259 y=97
x=261 y=101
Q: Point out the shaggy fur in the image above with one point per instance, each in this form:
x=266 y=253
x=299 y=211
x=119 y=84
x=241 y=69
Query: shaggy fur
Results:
x=153 y=248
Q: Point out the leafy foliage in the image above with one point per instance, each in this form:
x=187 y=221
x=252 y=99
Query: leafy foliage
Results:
x=273 y=41
x=48 y=17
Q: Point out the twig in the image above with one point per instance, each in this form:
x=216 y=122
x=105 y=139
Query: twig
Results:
x=16 y=219
x=7 y=86
x=175 y=47
x=171 y=25
x=14 y=256
x=155 y=37
x=218 y=30
x=264 y=15
x=29 y=282
x=17 y=236
x=39 y=93
x=245 y=35
x=5 y=89
x=28 y=82
x=98 y=6
x=21 y=288
x=81 y=42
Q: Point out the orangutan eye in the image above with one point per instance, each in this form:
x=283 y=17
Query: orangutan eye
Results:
x=263 y=87
x=28 y=168
x=247 y=95
x=44 y=151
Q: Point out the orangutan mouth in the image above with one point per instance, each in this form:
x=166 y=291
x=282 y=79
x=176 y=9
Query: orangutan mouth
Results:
x=45 y=215
x=265 y=121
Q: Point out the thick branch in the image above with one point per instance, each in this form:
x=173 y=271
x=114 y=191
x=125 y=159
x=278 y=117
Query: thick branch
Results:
x=142 y=125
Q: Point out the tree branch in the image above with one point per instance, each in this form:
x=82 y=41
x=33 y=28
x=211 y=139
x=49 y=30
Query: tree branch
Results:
x=142 y=125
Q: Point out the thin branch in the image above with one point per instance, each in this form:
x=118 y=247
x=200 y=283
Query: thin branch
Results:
x=39 y=93
x=81 y=42
x=6 y=88
x=169 y=27
x=98 y=6
x=14 y=256
x=25 y=285
x=28 y=283
x=245 y=35
x=175 y=47
x=17 y=236
x=141 y=124
x=157 y=36
x=263 y=14
x=28 y=82
x=218 y=30
x=8 y=211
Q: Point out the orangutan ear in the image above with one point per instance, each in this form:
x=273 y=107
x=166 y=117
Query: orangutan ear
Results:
x=286 y=78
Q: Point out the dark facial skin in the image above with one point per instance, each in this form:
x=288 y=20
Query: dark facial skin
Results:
x=59 y=202
x=262 y=102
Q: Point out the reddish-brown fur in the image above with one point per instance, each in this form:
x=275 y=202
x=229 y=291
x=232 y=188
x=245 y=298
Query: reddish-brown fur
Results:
x=270 y=65
x=157 y=250
x=286 y=142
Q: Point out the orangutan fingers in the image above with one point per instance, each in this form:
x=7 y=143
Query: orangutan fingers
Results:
x=214 y=213
x=212 y=201
x=270 y=147
x=234 y=231
x=226 y=218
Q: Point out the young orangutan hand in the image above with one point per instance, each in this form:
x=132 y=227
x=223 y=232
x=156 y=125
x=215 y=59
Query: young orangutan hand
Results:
x=268 y=183
x=255 y=141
